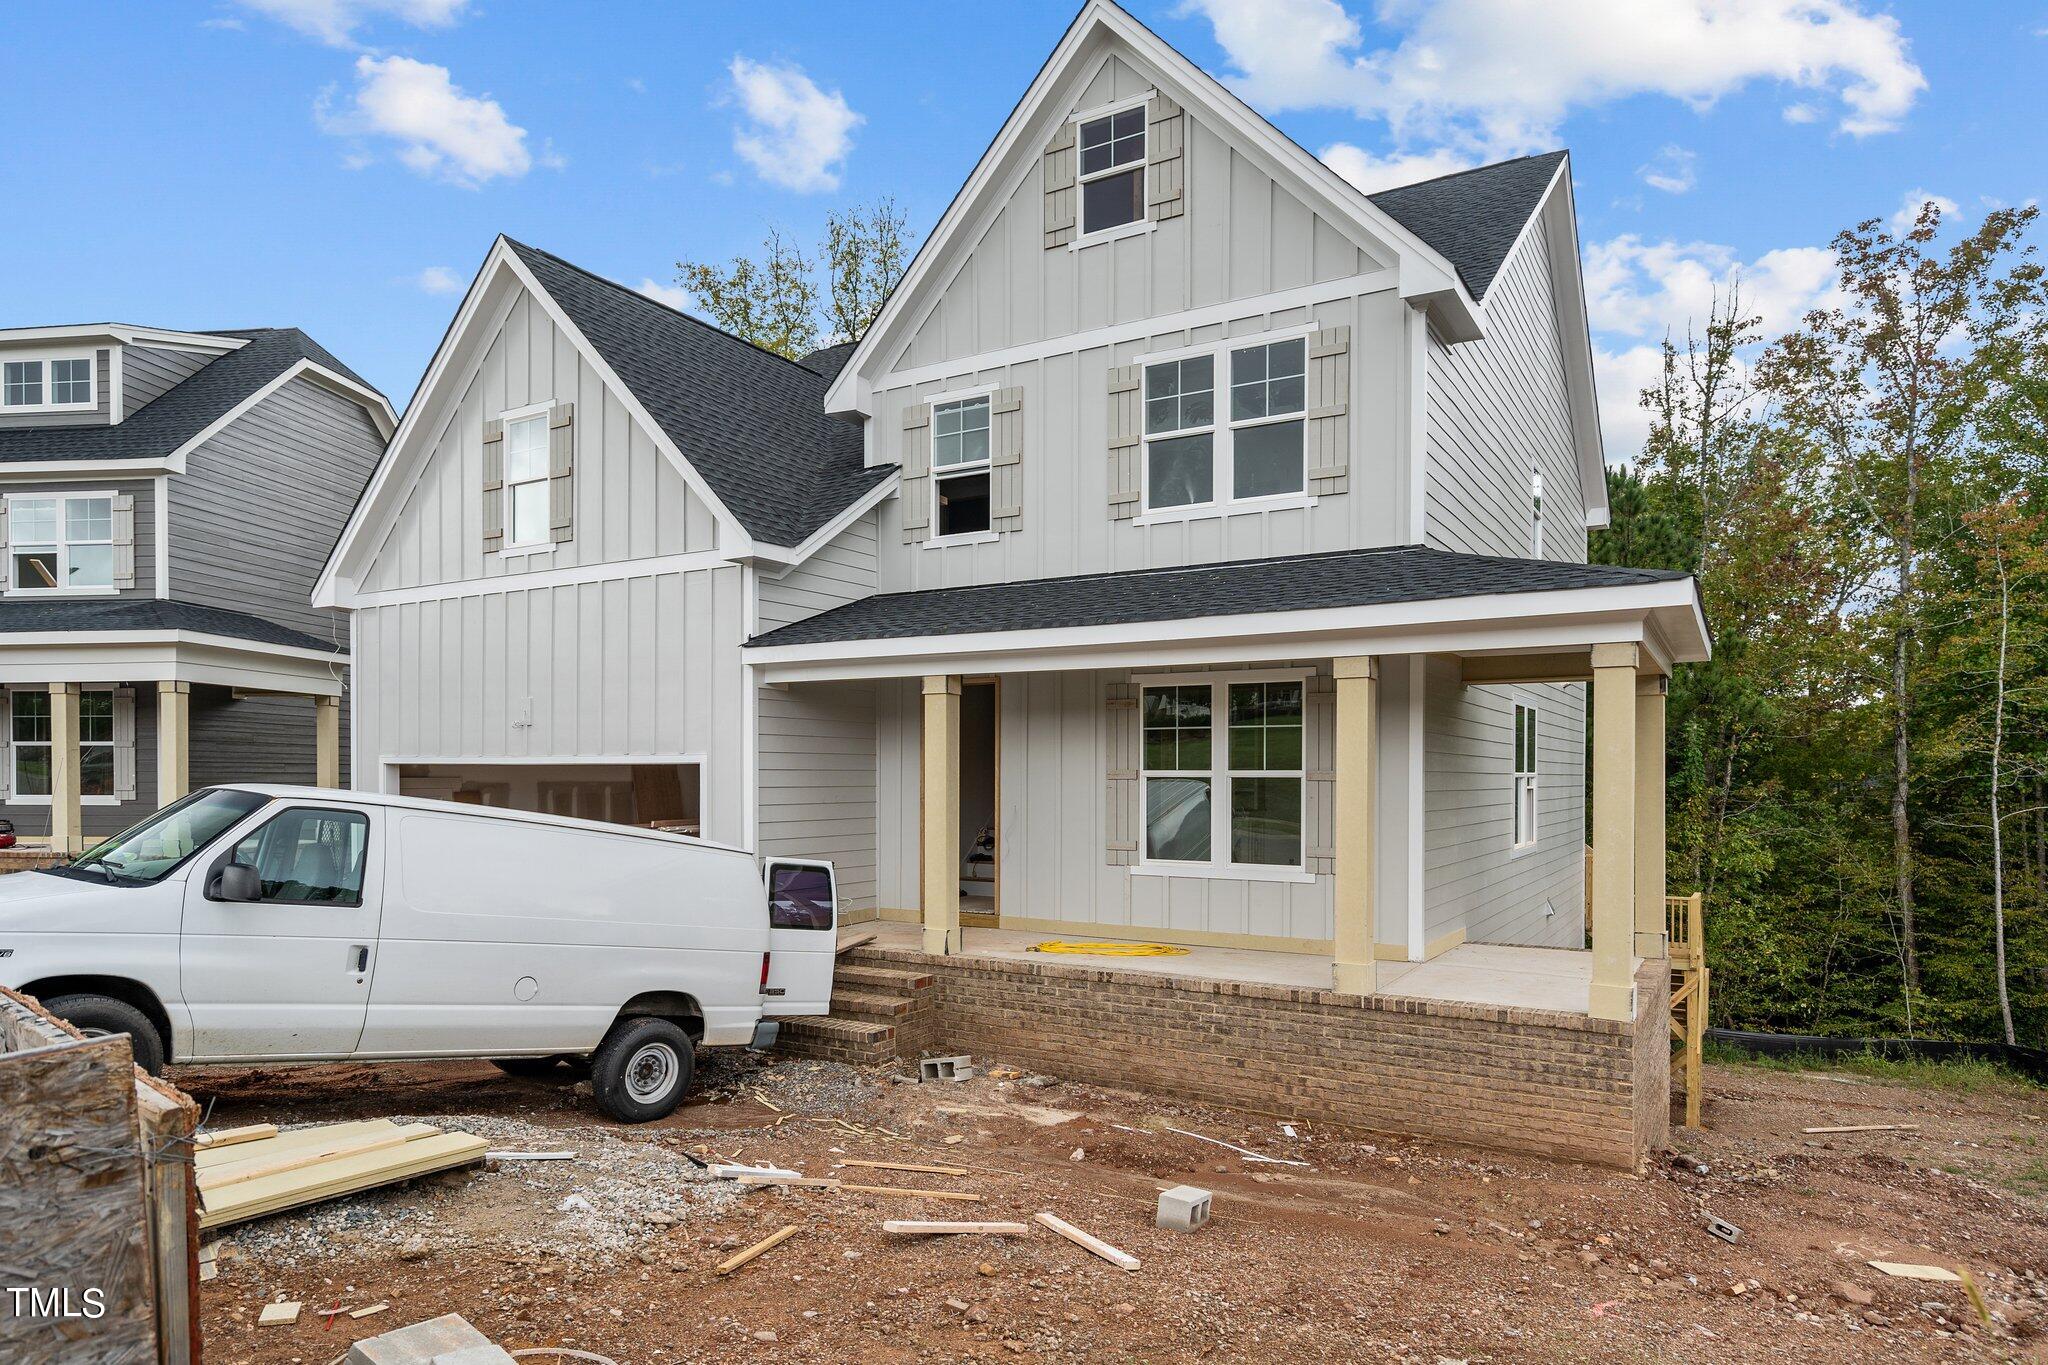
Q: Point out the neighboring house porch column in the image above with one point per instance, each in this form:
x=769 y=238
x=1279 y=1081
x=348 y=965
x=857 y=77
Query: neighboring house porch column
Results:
x=1357 y=758
x=940 y=887
x=1650 y=872
x=66 y=831
x=173 y=741
x=1614 y=831
x=327 y=741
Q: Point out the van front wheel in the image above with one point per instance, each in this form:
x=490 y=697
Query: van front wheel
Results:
x=97 y=1016
x=640 y=1072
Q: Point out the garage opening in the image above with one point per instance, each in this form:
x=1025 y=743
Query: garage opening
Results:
x=666 y=796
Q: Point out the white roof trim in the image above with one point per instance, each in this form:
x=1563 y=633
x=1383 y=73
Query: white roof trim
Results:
x=784 y=558
x=373 y=402
x=126 y=334
x=1568 y=288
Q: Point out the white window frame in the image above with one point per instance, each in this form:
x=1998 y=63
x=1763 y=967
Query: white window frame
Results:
x=1527 y=823
x=1221 y=776
x=15 y=746
x=531 y=411
x=1223 y=450
x=45 y=359
x=1143 y=222
x=63 y=543
x=933 y=539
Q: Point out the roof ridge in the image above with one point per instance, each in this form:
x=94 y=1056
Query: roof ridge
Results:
x=1471 y=170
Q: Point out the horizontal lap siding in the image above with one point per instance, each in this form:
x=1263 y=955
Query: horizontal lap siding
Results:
x=254 y=739
x=149 y=372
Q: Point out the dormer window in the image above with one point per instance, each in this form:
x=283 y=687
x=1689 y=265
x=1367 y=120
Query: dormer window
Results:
x=46 y=383
x=1113 y=170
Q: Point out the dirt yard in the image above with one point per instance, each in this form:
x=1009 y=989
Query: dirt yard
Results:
x=1375 y=1249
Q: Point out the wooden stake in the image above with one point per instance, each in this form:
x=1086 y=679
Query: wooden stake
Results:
x=908 y=1166
x=913 y=1228
x=814 y=1182
x=916 y=1194
x=773 y=1239
x=1121 y=1259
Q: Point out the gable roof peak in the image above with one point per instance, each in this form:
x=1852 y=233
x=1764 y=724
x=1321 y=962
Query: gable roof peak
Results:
x=1473 y=218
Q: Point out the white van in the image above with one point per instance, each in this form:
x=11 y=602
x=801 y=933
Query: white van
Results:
x=271 y=924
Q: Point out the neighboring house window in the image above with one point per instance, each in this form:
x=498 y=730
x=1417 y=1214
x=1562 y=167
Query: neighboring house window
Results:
x=29 y=747
x=1113 y=170
x=62 y=543
x=1255 y=451
x=1242 y=795
x=960 y=467
x=64 y=382
x=71 y=381
x=1536 y=514
x=23 y=386
x=1525 y=775
x=526 y=481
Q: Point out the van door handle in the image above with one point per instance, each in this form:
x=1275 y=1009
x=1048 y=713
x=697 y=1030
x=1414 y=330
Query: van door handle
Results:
x=359 y=958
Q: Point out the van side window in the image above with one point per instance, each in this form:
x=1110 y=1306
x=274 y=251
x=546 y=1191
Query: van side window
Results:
x=799 y=897
x=310 y=856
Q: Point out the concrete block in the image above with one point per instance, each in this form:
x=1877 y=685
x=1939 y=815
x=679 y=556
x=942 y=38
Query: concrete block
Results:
x=945 y=1069
x=1183 y=1208
x=446 y=1340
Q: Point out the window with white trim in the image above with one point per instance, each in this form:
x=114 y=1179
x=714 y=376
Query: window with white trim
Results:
x=61 y=542
x=46 y=382
x=1235 y=804
x=1252 y=451
x=1525 y=775
x=1113 y=170
x=29 y=745
x=526 y=481
x=960 y=467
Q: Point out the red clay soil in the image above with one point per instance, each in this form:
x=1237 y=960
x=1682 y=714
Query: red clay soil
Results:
x=1378 y=1249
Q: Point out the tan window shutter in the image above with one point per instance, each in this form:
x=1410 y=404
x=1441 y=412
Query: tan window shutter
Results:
x=124 y=540
x=494 y=485
x=1165 y=138
x=124 y=744
x=1126 y=425
x=914 y=492
x=1006 y=460
x=561 y=472
x=1319 y=815
x=1329 y=410
x=1120 y=843
x=1062 y=199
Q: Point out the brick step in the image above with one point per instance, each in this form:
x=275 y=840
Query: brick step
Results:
x=880 y=980
x=885 y=1009
x=829 y=1038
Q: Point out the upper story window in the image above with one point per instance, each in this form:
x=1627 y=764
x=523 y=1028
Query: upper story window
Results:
x=1113 y=170
x=61 y=542
x=960 y=467
x=1525 y=775
x=45 y=383
x=1196 y=457
x=526 y=481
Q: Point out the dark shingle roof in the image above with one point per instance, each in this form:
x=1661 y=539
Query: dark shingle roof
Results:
x=182 y=412
x=829 y=360
x=752 y=423
x=1472 y=218
x=1343 y=578
x=148 y=613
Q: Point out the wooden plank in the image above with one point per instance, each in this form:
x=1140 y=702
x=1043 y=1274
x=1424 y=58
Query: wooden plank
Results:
x=1868 y=1128
x=908 y=1166
x=265 y=1149
x=919 y=1194
x=1087 y=1242
x=168 y=1118
x=909 y=1227
x=1907 y=1271
x=773 y=1239
x=228 y=1137
x=343 y=1176
x=811 y=1182
x=219 y=1177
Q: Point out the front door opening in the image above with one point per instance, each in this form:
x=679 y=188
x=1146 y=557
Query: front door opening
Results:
x=980 y=833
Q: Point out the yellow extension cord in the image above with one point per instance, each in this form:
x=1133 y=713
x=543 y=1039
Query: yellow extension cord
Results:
x=1109 y=949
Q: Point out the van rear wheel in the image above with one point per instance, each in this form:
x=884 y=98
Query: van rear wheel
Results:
x=641 y=1070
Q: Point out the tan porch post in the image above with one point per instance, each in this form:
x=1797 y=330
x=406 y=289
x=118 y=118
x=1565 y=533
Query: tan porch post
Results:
x=940 y=889
x=1357 y=758
x=66 y=835
x=173 y=741
x=1614 y=832
x=327 y=741
x=1650 y=873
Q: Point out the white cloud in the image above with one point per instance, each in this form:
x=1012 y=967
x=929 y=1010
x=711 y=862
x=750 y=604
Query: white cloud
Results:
x=336 y=21
x=1621 y=376
x=796 y=135
x=1673 y=170
x=1801 y=113
x=1908 y=211
x=674 y=295
x=1371 y=172
x=1638 y=288
x=1498 y=77
x=441 y=130
x=438 y=279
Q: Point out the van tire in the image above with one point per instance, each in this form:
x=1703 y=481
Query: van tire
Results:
x=641 y=1070
x=99 y=1015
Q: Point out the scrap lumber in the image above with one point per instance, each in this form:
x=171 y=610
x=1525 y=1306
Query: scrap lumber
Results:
x=772 y=1240
x=729 y=1170
x=228 y=1137
x=1868 y=1128
x=919 y=1194
x=910 y=1227
x=537 y=1156
x=1123 y=1260
x=234 y=1173
x=1907 y=1271
x=907 y=1166
x=853 y=943
x=338 y=1176
x=813 y=1182
x=279 y=1314
x=261 y=1149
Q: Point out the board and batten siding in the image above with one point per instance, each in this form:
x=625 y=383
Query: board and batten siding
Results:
x=1497 y=407
x=149 y=372
x=631 y=503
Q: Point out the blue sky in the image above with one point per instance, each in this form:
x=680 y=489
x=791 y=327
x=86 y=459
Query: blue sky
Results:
x=342 y=165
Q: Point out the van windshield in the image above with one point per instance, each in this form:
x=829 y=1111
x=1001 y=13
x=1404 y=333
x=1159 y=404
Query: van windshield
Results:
x=149 y=851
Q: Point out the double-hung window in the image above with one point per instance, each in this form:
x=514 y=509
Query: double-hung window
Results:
x=61 y=542
x=526 y=481
x=29 y=745
x=1525 y=775
x=960 y=467
x=46 y=383
x=1113 y=170
x=1253 y=450
x=1232 y=801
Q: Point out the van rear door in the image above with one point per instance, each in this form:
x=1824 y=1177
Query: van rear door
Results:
x=803 y=936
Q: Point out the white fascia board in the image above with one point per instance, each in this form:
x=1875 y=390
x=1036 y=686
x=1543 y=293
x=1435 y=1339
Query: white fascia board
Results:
x=780 y=559
x=166 y=656
x=1575 y=337
x=605 y=571
x=127 y=335
x=84 y=469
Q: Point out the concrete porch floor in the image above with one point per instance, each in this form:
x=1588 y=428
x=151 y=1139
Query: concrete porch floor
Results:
x=1471 y=973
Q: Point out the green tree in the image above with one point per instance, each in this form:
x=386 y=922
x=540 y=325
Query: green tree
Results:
x=865 y=254
x=775 y=301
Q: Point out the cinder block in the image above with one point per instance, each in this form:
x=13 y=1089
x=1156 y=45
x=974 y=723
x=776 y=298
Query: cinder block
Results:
x=945 y=1069
x=1183 y=1208
x=446 y=1340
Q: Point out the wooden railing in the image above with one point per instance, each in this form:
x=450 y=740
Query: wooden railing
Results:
x=1684 y=925
x=1684 y=931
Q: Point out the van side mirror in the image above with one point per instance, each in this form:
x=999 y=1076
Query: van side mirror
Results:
x=240 y=882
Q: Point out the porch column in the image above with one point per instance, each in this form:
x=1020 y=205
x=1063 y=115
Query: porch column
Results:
x=1650 y=872
x=940 y=888
x=173 y=741
x=327 y=741
x=66 y=835
x=1357 y=758
x=1614 y=831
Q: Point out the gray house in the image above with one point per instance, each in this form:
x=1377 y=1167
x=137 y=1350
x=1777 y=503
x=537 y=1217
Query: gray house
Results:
x=166 y=500
x=1194 y=550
